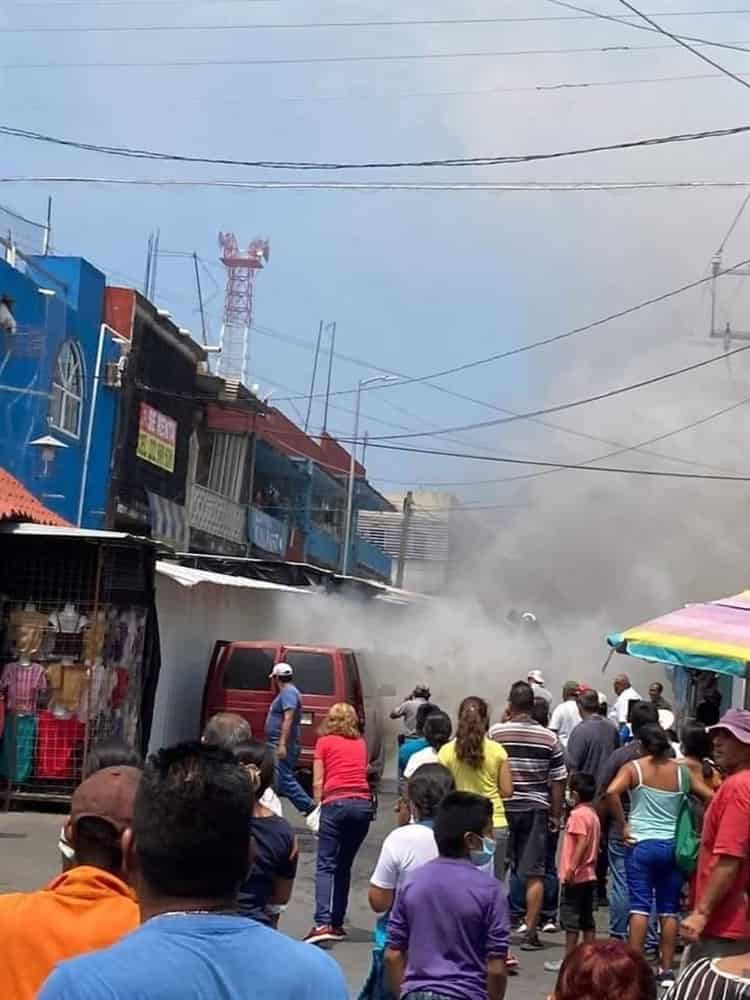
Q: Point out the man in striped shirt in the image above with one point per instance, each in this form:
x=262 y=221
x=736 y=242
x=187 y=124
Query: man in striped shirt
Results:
x=539 y=775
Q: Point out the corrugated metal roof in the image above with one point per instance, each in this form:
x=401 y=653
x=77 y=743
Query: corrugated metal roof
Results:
x=429 y=534
x=18 y=504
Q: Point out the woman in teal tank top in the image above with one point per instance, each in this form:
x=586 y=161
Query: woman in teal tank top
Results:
x=657 y=786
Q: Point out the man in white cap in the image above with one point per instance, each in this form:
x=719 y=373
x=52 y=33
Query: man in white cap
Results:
x=283 y=733
x=536 y=680
x=718 y=925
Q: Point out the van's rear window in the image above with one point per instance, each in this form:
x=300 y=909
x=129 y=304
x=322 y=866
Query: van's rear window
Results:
x=248 y=669
x=313 y=672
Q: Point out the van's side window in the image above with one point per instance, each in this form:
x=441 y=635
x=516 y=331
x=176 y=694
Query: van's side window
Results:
x=248 y=669
x=313 y=672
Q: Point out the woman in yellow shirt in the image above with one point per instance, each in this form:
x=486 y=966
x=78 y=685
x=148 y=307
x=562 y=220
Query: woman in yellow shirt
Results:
x=480 y=765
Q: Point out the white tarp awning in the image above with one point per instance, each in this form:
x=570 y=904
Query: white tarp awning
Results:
x=192 y=577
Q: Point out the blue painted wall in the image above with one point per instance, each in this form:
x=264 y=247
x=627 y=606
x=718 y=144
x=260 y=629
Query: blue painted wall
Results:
x=27 y=365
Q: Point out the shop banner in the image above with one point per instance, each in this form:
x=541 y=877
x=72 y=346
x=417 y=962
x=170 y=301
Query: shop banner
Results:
x=157 y=438
x=268 y=533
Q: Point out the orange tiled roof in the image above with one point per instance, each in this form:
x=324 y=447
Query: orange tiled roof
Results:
x=18 y=504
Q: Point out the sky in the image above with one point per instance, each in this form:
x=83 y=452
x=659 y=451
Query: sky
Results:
x=416 y=281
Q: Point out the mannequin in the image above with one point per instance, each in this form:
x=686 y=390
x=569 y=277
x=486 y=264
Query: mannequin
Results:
x=68 y=625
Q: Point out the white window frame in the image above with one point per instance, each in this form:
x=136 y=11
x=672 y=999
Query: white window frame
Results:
x=68 y=390
x=227 y=466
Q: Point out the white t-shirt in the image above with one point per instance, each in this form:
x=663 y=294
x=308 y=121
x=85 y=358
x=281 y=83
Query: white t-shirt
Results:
x=619 y=711
x=404 y=849
x=426 y=756
x=564 y=719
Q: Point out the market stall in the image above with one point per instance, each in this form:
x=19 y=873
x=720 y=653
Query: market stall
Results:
x=702 y=646
x=79 y=652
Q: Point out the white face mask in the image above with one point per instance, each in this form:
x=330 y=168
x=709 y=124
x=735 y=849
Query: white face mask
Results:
x=571 y=800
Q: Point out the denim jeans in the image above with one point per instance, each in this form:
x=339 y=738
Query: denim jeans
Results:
x=517 y=894
x=287 y=785
x=619 y=897
x=343 y=827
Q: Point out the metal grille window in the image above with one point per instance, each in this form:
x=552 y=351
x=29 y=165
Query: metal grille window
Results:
x=67 y=390
x=227 y=467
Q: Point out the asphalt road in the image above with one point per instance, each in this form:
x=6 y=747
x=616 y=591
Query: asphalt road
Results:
x=29 y=858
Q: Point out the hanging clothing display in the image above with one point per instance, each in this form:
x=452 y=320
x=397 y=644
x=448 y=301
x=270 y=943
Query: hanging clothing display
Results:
x=18 y=746
x=94 y=638
x=68 y=627
x=60 y=742
x=22 y=684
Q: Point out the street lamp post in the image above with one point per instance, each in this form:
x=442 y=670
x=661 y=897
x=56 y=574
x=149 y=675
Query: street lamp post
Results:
x=352 y=449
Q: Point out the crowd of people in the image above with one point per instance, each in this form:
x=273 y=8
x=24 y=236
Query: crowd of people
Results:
x=510 y=827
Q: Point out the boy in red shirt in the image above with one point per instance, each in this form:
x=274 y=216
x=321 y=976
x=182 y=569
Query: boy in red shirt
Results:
x=577 y=865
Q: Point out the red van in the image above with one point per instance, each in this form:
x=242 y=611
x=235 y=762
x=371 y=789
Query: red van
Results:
x=238 y=681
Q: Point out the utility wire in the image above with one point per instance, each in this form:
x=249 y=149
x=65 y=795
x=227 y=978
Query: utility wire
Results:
x=685 y=45
x=473 y=161
x=511 y=187
x=555 y=338
x=314 y=25
x=661 y=474
x=560 y=407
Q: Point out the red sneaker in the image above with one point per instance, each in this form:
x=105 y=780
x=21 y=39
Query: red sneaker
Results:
x=318 y=935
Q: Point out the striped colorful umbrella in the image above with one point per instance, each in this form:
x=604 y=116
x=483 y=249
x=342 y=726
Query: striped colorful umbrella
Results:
x=713 y=636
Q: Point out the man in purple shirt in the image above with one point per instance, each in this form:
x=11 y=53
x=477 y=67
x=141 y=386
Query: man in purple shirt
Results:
x=449 y=929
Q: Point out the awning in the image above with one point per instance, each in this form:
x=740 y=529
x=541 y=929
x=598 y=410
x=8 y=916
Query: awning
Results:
x=193 y=577
x=714 y=636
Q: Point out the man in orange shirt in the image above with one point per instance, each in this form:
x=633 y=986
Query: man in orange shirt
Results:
x=86 y=908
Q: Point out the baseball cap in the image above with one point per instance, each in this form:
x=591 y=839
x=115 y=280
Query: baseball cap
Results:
x=666 y=718
x=108 y=794
x=536 y=675
x=737 y=722
x=281 y=670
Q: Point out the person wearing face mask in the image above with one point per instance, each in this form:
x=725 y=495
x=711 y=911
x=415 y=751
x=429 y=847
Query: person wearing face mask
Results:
x=577 y=865
x=450 y=925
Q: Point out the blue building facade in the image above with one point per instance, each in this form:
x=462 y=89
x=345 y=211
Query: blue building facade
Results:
x=57 y=412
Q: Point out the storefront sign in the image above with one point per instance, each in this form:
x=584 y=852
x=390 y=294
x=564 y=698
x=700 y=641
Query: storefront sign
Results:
x=268 y=533
x=157 y=438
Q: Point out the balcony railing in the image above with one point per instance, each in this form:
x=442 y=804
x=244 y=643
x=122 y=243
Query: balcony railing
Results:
x=323 y=549
x=214 y=514
x=267 y=533
x=370 y=557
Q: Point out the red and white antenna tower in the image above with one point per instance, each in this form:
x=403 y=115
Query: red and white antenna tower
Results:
x=239 y=301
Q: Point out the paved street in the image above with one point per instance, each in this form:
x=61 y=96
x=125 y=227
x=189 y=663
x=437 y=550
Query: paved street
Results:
x=28 y=857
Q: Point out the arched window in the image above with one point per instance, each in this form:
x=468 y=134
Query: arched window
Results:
x=67 y=390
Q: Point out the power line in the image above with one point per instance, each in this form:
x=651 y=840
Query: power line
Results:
x=685 y=44
x=323 y=60
x=560 y=407
x=555 y=338
x=659 y=473
x=562 y=187
x=386 y=23
x=473 y=161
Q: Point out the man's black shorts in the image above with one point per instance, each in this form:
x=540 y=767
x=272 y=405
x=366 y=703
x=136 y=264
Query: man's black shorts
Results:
x=528 y=842
x=577 y=906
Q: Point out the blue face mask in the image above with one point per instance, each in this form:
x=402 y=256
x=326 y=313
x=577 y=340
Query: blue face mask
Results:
x=485 y=856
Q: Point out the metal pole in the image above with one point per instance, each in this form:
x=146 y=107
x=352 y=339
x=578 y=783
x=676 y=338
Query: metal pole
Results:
x=715 y=268
x=403 y=546
x=314 y=373
x=350 y=491
x=48 y=228
x=364 y=448
x=90 y=428
x=330 y=369
x=200 y=297
x=149 y=252
x=154 y=262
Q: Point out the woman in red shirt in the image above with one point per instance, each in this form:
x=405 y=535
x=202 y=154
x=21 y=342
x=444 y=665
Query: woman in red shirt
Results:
x=341 y=788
